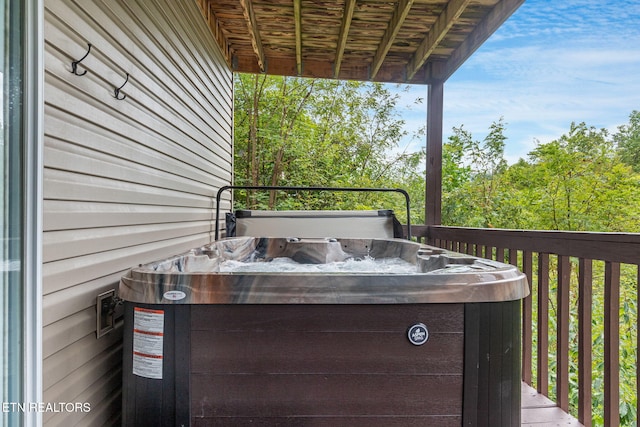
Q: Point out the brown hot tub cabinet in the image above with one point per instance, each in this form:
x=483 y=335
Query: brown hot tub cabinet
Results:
x=435 y=347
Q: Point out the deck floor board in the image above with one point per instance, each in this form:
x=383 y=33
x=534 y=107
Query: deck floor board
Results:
x=539 y=411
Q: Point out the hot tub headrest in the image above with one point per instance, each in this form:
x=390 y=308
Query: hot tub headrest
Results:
x=314 y=224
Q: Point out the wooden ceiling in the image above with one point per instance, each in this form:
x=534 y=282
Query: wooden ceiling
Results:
x=400 y=41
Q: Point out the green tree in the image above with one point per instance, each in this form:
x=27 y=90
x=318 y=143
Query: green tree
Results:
x=627 y=140
x=473 y=192
x=270 y=129
x=308 y=132
x=577 y=183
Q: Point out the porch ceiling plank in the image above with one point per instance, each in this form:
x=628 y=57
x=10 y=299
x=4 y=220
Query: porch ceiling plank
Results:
x=449 y=16
x=349 y=7
x=393 y=41
x=297 y=14
x=256 y=42
x=397 y=19
x=482 y=31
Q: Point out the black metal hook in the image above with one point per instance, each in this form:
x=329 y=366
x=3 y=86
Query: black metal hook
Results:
x=74 y=64
x=116 y=91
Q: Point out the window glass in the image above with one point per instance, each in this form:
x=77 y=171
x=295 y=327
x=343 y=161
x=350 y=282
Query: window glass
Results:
x=11 y=209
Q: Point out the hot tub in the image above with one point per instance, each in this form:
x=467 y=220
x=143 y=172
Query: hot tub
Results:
x=348 y=332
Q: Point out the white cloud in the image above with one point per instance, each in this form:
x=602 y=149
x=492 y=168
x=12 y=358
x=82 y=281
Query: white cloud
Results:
x=552 y=63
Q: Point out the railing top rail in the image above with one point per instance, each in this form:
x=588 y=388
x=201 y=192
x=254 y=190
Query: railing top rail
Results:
x=616 y=247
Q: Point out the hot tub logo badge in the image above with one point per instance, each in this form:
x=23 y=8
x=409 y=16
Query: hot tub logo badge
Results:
x=174 y=295
x=418 y=334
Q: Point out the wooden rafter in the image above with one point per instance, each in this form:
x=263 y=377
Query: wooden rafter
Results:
x=349 y=7
x=441 y=27
x=214 y=26
x=397 y=19
x=297 y=14
x=252 y=25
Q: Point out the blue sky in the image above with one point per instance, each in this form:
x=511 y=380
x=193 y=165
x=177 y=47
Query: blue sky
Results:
x=552 y=63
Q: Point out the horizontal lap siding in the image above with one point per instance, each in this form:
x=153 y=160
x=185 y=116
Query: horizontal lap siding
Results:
x=125 y=181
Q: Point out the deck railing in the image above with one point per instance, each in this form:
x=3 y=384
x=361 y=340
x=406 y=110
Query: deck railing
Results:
x=571 y=328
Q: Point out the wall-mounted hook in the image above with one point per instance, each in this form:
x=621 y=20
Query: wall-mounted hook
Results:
x=74 y=64
x=116 y=91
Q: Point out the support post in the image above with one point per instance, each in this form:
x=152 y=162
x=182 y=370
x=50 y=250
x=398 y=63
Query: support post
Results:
x=433 y=187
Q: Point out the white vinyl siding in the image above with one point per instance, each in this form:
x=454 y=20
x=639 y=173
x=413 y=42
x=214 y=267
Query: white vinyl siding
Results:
x=125 y=181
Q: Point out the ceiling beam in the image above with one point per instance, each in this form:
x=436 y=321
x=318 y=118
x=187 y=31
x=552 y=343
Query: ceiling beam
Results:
x=286 y=66
x=297 y=14
x=347 y=16
x=397 y=19
x=441 y=27
x=483 y=30
x=256 y=42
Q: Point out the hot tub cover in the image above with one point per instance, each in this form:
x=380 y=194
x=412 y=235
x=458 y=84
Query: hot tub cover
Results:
x=314 y=224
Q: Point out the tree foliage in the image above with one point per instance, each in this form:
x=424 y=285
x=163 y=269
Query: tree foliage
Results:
x=320 y=133
x=476 y=187
x=628 y=141
x=576 y=182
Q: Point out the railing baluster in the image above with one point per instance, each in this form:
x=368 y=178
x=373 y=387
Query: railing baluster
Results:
x=500 y=254
x=562 y=340
x=611 y=344
x=527 y=318
x=513 y=256
x=585 y=299
x=543 y=324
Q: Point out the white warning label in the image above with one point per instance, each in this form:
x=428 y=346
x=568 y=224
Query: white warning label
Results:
x=148 y=336
x=148 y=320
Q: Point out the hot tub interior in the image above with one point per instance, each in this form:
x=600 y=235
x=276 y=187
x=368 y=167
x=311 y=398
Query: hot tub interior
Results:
x=284 y=270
